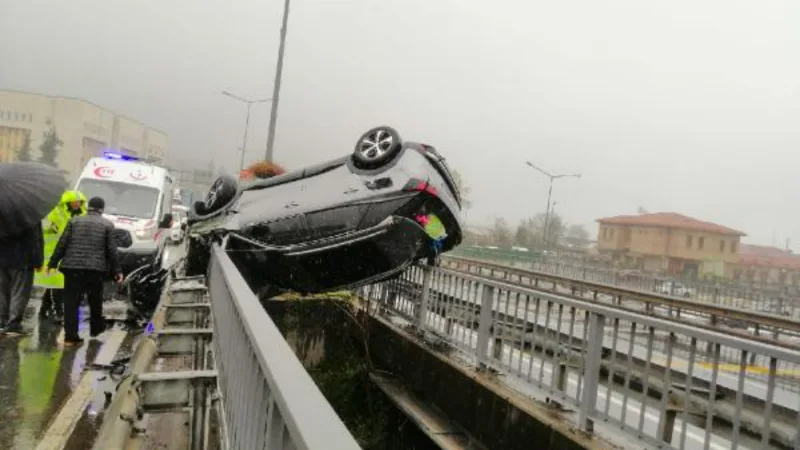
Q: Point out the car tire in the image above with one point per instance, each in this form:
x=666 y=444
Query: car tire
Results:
x=377 y=147
x=221 y=192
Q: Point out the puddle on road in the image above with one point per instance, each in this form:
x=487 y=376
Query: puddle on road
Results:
x=37 y=374
x=325 y=339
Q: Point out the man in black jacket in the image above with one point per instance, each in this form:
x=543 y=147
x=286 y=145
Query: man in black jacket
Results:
x=20 y=256
x=86 y=254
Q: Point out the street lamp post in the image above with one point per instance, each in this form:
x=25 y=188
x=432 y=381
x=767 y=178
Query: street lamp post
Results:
x=276 y=88
x=249 y=103
x=550 y=225
x=549 y=195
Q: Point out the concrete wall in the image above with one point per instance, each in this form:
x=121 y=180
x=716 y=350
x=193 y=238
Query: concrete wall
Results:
x=496 y=416
x=128 y=136
x=155 y=143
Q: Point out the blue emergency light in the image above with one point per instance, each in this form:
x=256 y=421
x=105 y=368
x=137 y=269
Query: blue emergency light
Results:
x=119 y=156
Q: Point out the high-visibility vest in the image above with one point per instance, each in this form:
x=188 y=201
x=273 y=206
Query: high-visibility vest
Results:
x=435 y=228
x=53 y=227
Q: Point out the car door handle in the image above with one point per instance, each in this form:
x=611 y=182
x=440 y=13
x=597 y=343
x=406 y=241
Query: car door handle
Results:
x=292 y=205
x=351 y=191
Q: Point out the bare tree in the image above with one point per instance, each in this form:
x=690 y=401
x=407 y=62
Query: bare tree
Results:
x=501 y=234
x=578 y=232
x=463 y=188
x=51 y=144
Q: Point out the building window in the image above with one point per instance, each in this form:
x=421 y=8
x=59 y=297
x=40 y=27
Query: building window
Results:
x=688 y=241
x=733 y=246
x=722 y=246
x=701 y=242
x=611 y=233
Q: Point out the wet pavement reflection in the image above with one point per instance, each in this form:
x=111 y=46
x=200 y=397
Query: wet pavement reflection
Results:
x=38 y=374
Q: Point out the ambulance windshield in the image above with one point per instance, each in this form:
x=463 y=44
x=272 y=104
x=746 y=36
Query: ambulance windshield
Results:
x=122 y=199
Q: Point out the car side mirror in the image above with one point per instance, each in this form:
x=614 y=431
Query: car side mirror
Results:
x=166 y=221
x=122 y=238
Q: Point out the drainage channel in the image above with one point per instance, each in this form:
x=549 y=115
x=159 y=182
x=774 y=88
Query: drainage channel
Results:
x=166 y=399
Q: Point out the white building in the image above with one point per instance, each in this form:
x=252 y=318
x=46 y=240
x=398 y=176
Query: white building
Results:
x=85 y=129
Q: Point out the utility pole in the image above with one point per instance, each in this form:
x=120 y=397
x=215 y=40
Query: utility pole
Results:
x=549 y=194
x=276 y=92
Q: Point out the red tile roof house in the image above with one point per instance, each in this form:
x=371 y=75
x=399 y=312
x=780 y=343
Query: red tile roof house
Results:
x=670 y=243
x=767 y=265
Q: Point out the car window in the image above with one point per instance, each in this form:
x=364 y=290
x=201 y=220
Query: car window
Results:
x=122 y=199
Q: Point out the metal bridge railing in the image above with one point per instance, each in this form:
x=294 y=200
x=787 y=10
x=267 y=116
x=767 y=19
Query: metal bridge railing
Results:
x=769 y=328
x=268 y=399
x=661 y=380
x=776 y=299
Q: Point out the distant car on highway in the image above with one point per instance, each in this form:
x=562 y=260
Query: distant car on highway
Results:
x=675 y=289
x=351 y=221
x=178 y=230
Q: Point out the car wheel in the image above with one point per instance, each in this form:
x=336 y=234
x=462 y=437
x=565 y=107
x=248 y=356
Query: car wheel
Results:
x=220 y=194
x=377 y=147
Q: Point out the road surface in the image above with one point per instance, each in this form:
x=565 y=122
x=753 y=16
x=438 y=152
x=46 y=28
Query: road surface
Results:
x=43 y=383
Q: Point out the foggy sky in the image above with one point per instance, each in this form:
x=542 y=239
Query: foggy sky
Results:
x=686 y=106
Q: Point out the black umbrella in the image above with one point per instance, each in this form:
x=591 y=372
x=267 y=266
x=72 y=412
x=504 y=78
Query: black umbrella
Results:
x=28 y=192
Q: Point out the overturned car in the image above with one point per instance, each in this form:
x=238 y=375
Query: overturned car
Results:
x=351 y=221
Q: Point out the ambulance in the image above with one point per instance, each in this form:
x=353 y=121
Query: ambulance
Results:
x=138 y=198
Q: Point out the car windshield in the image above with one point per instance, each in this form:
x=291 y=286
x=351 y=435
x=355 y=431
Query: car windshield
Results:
x=122 y=199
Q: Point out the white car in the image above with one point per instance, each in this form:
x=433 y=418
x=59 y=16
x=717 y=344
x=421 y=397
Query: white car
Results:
x=178 y=230
x=675 y=289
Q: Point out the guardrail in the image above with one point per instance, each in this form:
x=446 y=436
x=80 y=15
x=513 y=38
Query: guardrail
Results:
x=774 y=299
x=772 y=328
x=268 y=398
x=650 y=376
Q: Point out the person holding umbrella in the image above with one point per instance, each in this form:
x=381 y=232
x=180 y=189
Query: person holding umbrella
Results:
x=72 y=203
x=20 y=256
x=28 y=191
x=86 y=253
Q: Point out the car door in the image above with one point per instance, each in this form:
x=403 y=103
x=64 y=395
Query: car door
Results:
x=273 y=214
x=335 y=202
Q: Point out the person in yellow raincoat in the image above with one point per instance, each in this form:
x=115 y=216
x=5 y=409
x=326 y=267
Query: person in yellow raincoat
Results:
x=435 y=229
x=72 y=203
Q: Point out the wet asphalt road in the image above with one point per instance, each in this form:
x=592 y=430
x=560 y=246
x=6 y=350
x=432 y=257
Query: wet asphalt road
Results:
x=38 y=374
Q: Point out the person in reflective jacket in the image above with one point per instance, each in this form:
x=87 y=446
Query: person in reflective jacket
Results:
x=72 y=203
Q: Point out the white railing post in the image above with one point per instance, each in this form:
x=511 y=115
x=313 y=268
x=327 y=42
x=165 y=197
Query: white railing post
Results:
x=422 y=308
x=485 y=323
x=591 y=374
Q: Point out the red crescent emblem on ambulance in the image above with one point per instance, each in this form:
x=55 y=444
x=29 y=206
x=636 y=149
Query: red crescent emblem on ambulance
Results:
x=104 y=172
